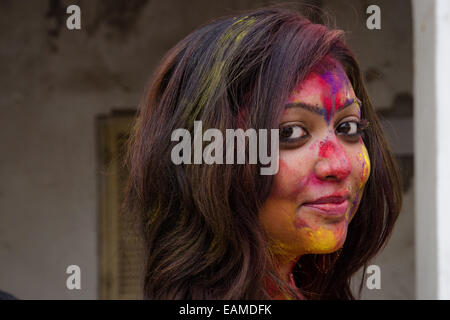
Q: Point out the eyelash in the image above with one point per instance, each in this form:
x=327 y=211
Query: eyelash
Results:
x=361 y=126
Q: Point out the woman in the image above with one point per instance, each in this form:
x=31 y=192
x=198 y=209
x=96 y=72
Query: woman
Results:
x=220 y=231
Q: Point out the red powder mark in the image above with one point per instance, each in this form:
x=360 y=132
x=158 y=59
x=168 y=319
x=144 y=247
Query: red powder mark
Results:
x=327 y=149
x=300 y=223
x=340 y=164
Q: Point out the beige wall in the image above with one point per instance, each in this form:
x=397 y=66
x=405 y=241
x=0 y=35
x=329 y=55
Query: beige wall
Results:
x=53 y=84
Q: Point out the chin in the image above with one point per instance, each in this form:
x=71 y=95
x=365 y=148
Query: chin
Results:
x=324 y=239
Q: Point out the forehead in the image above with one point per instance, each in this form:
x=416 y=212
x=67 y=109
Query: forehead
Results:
x=326 y=86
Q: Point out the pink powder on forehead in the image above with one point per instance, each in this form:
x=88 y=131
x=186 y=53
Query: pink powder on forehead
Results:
x=329 y=81
x=334 y=83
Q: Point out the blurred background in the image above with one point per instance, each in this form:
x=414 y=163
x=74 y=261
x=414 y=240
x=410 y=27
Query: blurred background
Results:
x=68 y=97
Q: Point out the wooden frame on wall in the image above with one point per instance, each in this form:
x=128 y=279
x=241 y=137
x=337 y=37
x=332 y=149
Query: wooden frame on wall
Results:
x=120 y=248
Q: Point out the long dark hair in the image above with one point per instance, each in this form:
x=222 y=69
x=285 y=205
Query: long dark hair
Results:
x=200 y=222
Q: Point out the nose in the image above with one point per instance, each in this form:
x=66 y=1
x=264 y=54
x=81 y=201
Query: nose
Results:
x=332 y=162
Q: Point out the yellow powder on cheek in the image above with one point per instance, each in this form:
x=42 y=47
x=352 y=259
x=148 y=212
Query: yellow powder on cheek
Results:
x=277 y=221
x=364 y=157
x=281 y=248
x=320 y=240
x=367 y=164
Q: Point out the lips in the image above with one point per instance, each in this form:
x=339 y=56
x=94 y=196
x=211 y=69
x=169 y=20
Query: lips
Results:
x=331 y=205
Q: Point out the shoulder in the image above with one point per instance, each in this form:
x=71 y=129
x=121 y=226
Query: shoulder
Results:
x=6 y=296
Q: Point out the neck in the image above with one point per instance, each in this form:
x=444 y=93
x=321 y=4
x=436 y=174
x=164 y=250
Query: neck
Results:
x=283 y=267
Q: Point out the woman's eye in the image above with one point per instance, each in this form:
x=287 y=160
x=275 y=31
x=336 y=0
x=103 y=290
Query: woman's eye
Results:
x=348 y=128
x=292 y=133
x=351 y=128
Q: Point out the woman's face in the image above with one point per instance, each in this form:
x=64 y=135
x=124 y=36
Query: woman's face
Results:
x=324 y=166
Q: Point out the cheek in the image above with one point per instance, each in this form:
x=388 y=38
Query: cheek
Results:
x=278 y=215
x=292 y=175
x=361 y=177
x=364 y=164
x=277 y=219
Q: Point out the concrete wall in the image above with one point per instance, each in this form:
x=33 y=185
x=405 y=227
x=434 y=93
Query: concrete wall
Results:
x=53 y=84
x=432 y=145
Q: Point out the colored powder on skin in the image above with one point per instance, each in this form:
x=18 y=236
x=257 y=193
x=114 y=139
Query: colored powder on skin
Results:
x=350 y=210
x=300 y=223
x=333 y=79
x=354 y=206
x=363 y=173
x=330 y=104
x=326 y=149
x=330 y=77
x=280 y=248
x=329 y=150
x=366 y=163
x=364 y=157
x=361 y=160
x=328 y=101
x=321 y=240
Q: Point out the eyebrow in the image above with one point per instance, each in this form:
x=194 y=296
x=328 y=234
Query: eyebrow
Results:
x=316 y=109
